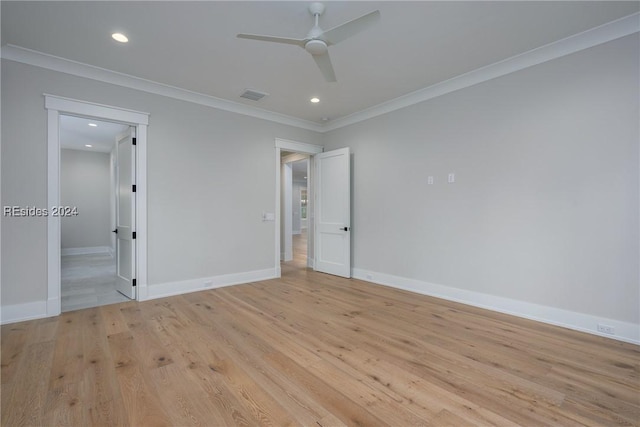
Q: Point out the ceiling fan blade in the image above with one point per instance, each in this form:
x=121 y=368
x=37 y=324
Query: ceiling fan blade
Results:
x=283 y=40
x=324 y=63
x=348 y=29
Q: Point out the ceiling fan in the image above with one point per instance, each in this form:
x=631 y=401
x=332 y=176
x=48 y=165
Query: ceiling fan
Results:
x=318 y=41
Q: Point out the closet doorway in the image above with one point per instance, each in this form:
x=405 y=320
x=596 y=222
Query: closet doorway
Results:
x=88 y=189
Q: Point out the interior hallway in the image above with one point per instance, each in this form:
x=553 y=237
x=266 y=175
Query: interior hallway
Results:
x=297 y=266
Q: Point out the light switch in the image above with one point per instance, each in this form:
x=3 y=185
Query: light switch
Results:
x=268 y=216
x=452 y=178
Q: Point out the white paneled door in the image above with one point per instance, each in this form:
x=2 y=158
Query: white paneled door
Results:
x=125 y=216
x=333 y=212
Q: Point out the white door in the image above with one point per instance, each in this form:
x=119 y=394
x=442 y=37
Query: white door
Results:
x=333 y=212
x=125 y=216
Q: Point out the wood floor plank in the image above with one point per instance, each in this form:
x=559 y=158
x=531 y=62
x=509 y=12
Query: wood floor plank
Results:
x=248 y=352
x=311 y=349
x=64 y=402
x=139 y=395
x=114 y=321
x=29 y=395
x=196 y=362
x=102 y=401
x=64 y=406
x=14 y=340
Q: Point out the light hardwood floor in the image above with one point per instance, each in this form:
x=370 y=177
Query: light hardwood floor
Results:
x=315 y=350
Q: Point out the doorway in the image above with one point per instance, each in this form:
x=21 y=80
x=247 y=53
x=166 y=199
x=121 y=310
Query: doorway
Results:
x=328 y=206
x=56 y=107
x=287 y=153
x=295 y=208
x=88 y=186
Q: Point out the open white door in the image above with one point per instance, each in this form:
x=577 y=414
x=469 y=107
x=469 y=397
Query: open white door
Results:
x=125 y=216
x=333 y=212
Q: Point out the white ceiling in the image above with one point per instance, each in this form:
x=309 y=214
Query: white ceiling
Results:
x=193 y=45
x=75 y=134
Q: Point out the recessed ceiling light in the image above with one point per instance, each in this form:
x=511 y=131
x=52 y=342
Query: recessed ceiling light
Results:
x=88 y=145
x=315 y=100
x=93 y=125
x=119 y=37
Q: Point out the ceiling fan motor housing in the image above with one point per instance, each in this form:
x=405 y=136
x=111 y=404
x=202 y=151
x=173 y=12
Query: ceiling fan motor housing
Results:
x=316 y=47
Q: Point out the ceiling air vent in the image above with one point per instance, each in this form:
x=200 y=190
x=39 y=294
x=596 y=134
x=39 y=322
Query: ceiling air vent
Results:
x=253 y=95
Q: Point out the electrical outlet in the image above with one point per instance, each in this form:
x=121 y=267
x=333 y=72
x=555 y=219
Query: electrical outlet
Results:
x=451 y=178
x=430 y=180
x=606 y=329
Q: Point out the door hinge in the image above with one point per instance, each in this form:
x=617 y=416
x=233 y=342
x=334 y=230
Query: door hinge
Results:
x=133 y=141
x=134 y=283
x=133 y=188
x=134 y=235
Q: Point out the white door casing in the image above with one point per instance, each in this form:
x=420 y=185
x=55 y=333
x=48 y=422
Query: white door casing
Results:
x=333 y=212
x=126 y=216
x=57 y=105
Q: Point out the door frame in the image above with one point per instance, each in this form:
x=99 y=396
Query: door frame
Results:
x=294 y=147
x=56 y=106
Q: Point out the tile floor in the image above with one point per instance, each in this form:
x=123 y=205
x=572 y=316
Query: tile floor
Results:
x=89 y=281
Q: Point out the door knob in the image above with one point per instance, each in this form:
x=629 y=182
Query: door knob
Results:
x=344 y=228
x=115 y=231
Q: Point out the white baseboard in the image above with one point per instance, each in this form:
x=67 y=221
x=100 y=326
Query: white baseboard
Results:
x=87 y=250
x=311 y=262
x=624 y=331
x=186 y=286
x=21 y=312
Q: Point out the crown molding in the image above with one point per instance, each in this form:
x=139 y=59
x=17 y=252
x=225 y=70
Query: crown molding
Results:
x=593 y=37
x=598 y=35
x=67 y=66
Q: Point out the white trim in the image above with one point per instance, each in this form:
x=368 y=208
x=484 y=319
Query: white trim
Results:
x=21 y=312
x=84 y=108
x=63 y=65
x=87 y=250
x=602 y=34
x=296 y=147
x=54 y=307
x=55 y=106
x=625 y=331
x=168 y=289
x=141 y=210
x=590 y=38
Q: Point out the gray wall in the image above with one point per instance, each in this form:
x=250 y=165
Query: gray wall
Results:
x=211 y=174
x=545 y=206
x=85 y=184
